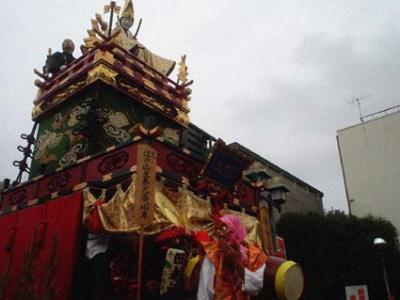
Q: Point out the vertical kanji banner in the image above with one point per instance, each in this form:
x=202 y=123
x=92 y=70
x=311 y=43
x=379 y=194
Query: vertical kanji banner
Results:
x=38 y=250
x=145 y=185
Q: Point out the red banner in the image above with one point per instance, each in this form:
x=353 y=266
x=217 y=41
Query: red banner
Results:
x=38 y=249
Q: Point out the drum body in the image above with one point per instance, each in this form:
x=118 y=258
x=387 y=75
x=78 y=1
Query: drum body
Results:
x=283 y=279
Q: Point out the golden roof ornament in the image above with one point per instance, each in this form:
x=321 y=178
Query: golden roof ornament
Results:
x=108 y=8
x=127 y=10
x=123 y=37
x=183 y=73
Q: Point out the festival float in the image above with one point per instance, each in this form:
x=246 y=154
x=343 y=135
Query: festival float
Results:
x=125 y=198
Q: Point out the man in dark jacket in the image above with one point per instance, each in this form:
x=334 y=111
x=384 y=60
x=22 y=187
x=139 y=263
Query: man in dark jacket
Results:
x=58 y=61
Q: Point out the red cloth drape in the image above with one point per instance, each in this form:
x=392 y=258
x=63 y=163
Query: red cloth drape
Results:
x=41 y=243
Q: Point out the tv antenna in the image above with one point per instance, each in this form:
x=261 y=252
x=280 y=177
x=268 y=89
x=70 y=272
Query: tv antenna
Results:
x=357 y=100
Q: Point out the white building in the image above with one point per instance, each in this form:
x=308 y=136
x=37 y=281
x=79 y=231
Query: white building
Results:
x=370 y=158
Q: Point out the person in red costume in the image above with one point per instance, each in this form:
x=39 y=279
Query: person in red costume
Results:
x=231 y=268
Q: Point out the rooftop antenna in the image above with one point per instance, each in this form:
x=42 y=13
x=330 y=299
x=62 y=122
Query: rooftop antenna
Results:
x=357 y=100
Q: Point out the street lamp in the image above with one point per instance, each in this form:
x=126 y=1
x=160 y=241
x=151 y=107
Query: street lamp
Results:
x=257 y=175
x=277 y=191
x=380 y=244
x=275 y=196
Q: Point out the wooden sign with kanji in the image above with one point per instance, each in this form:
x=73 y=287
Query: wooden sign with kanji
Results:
x=145 y=185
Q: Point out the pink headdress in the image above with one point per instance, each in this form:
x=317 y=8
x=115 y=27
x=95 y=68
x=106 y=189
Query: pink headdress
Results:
x=237 y=232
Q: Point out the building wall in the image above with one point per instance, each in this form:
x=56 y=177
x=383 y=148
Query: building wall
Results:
x=302 y=199
x=370 y=156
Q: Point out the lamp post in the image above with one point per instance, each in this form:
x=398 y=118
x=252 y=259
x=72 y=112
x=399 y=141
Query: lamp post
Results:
x=275 y=196
x=380 y=244
x=271 y=193
x=257 y=175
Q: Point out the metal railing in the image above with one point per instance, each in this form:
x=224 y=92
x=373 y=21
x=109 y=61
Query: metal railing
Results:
x=381 y=113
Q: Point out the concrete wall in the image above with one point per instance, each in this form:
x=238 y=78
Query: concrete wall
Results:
x=302 y=198
x=370 y=154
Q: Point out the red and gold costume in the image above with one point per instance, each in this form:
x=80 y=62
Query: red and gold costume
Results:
x=231 y=268
x=228 y=283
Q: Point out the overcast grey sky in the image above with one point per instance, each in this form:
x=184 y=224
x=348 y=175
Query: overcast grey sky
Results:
x=271 y=75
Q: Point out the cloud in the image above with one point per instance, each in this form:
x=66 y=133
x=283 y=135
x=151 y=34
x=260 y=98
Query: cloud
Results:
x=292 y=120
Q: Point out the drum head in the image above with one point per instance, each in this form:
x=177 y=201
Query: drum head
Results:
x=289 y=281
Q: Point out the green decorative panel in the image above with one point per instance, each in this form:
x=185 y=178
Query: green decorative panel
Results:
x=96 y=119
x=124 y=113
x=56 y=142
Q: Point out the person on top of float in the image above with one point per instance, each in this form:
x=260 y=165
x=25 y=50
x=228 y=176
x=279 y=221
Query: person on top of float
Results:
x=128 y=41
x=58 y=61
x=231 y=268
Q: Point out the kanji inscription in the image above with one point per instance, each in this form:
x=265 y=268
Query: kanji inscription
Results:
x=145 y=185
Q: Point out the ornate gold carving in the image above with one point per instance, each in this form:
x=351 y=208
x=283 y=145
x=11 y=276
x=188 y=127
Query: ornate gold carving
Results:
x=114 y=126
x=141 y=95
x=118 y=119
x=46 y=141
x=116 y=133
x=93 y=39
x=69 y=91
x=58 y=121
x=104 y=55
x=182 y=118
x=64 y=94
x=107 y=9
x=128 y=10
x=175 y=113
x=90 y=41
x=36 y=111
x=183 y=73
x=185 y=103
x=76 y=113
x=171 y=135
x=71 y=156
x=39 y=94
x=103 y=73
